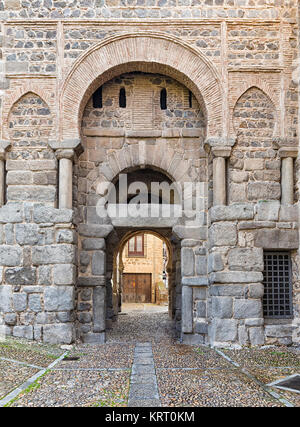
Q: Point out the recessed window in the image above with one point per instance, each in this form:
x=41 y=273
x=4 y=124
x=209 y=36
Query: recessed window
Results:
x=122 y=98
x=190 y=99
x=97 y=98
x=136 y=246
x=163 y=99
x=277 y=300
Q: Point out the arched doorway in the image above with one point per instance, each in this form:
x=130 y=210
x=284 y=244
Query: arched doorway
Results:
x=140 y=153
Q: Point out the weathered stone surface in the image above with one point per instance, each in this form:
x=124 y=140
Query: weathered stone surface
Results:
x=98 y=263
x=187 y=261
x=236 y=211
x=190 y=232
x=20 y=302
x=59 y=298
x=215 y=262
x=10 y=256
x=12 y=212
x=34 y=303
x=256 y=335
x=47 y=214
x=60 y=254
x=228 y=290
x=10 y=319
x=59 y=334
x=264 y=191
x=277 y=239
x=223 y=330
x=64 y=274
x=93 y=230
x=5 y=299
x=91 y=280
x=27 y=234
x=247 y=308
x=200 y=265
x=223 y=234
x=278 y=331
x=187 y=309
x=20 y=275
x=222 y=307
x=99 y=309
x=23 y=332
x=268 y=210
x=201 y=308
x=93 y=244
x=248 y=259
x=235 y=277
x=289 y=213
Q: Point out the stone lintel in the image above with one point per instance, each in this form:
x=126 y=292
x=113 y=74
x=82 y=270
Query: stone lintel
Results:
x=221 y=151
x=195 y=281
x=288 y=152
x=104 y=132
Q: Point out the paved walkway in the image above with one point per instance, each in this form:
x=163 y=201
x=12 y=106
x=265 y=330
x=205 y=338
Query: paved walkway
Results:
x=142 y=364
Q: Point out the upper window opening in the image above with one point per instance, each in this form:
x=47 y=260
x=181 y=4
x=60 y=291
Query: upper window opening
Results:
x=136 y=246
x=122 y=98
x=163 y=99
x=190 y=99
x=97 y=98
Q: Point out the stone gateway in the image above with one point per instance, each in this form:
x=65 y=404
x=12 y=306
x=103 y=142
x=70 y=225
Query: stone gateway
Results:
x=104 y=103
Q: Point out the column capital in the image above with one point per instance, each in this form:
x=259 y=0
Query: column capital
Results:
x=67 y=144
x=288 y=152
x=221 y=151
x=64 y=154
x=4 y=145
x=220 y=141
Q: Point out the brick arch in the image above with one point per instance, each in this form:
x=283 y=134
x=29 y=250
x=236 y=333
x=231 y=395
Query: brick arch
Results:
x=148 y=52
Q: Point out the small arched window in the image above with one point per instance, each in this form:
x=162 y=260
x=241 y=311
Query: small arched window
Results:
x=163 y=99
x=97 y=98
x=122 y=98
x=190 y=99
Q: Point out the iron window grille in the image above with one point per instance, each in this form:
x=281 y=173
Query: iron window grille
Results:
x=277 y=300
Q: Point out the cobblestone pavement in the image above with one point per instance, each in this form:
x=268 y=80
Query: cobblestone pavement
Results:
x=143 y=364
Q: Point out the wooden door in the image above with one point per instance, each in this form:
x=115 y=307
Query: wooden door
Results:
x=137 y=287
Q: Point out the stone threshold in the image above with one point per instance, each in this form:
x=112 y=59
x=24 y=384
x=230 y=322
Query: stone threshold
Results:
x=143 y=383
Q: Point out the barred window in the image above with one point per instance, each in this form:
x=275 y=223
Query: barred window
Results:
x=277 y=300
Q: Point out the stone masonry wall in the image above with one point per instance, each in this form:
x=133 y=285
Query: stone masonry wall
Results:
x=238 y=235
x=38 y=271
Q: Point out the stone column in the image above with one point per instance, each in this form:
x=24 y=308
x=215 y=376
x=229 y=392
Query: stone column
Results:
x=3 y=147
x=219 y=174
x=65 y=158
x=287 y=155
